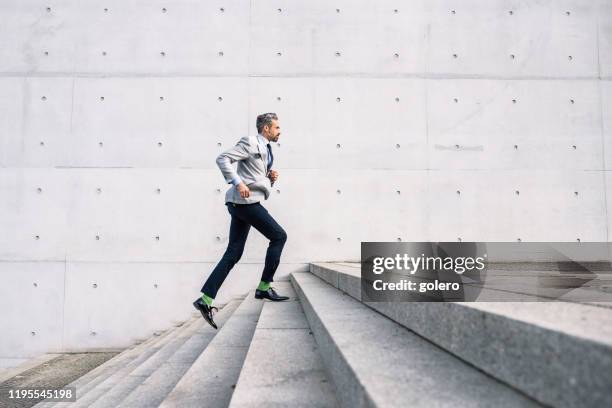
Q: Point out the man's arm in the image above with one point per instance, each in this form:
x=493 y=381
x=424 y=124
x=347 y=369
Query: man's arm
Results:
x=236 y=153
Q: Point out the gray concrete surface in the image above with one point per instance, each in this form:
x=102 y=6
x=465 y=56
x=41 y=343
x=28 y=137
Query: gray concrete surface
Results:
x=12 y=371
x=52 y=374
x=425 y=100
x=158 y=385
x=559 y=353
x=212 y=378
x=88 y=381
x=375 y=362
x=283 y=367
x=99 y=388
x=128 y=383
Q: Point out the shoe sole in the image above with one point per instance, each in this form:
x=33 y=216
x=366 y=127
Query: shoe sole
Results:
x=271 y=300
x=204 y=315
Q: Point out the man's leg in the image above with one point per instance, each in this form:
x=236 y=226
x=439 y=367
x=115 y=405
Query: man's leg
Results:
x=263 y=222
x=239 y=230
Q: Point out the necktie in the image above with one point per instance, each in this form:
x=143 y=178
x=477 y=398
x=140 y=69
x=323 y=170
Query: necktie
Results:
x=270 y=156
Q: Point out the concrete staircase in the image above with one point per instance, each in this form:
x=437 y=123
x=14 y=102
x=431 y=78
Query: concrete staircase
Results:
x=325 y=348
x=559 y=354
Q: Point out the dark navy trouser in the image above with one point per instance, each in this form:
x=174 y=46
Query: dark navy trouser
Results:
x=243 y=216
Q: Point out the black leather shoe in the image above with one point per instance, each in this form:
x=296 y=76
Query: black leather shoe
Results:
x=207 y=311
x=269 y=294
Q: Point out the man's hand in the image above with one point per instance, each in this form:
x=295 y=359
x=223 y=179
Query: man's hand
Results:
x=243 y=190
x=273 y=175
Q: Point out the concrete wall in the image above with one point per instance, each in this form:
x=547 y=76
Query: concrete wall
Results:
x=428 y=120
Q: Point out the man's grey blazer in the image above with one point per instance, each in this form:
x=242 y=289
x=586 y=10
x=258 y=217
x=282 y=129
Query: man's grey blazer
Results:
x=251 y=168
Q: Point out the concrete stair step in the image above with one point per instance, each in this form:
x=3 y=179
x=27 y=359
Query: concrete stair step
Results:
x=211 y=379
x=152 y=391
x=86 y=382
x=127 y=384
x=558 y=353
x=283 y=366
x=85 y=399
x=376 y=362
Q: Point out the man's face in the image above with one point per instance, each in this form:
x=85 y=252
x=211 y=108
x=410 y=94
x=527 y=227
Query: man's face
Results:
x=272 y=132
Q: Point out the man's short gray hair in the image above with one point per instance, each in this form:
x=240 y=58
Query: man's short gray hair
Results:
x=265 y=119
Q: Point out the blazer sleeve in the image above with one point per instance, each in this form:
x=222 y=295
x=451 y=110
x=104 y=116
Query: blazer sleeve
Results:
x=234 y=154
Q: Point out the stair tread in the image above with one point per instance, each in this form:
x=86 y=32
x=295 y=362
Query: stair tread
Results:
x=86 y=398
x=388 y=364
x=153 y=390
x=283 y=366
x=127 y=384
x=86 y=382
x=212 y=377
x=555 y=352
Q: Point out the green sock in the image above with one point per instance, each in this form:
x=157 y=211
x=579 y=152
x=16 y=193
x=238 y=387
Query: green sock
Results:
x=206 y=299
x=263 y=286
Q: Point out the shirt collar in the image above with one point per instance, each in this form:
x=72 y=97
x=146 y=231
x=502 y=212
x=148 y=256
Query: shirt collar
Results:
x=263 y=139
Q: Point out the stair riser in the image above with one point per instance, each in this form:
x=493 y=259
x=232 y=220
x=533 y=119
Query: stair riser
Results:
x=152 y=391
x=554 y=368
x=98 y=374
x=85 y=399
x=350 y=393
x=224 y=356
x=298 y=376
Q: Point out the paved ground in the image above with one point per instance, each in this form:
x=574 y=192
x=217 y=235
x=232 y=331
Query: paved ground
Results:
x=53 y=374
